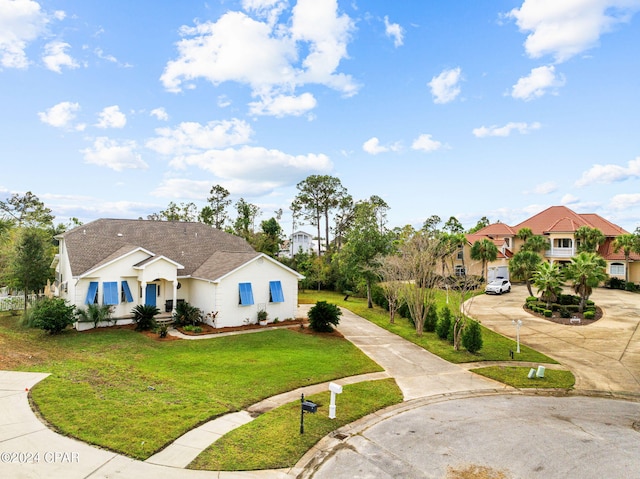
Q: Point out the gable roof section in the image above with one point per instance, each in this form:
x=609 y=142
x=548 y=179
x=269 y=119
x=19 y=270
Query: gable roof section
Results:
x=235 y=263
x=187 y=244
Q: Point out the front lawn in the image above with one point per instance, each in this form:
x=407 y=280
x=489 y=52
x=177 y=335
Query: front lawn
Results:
x=273 y=440
x=518 y=377
x=495 y=346
x=128 y=393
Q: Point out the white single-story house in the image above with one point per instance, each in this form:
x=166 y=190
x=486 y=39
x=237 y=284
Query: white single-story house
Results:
x=125 y=263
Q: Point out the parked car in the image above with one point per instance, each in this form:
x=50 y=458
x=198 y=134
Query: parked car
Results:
x=498 y=286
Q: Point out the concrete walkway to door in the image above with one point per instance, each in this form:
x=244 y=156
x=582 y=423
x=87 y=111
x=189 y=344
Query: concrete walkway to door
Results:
x=604 y=356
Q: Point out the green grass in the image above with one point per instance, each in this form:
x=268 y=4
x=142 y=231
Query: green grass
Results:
x=517 y=376
x=495 y=346
x=131 y=394
x=273 y=440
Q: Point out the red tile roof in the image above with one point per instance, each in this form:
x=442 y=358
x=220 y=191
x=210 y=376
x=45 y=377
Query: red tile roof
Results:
x=607 y=251
x=497 y=229
x=560 y=219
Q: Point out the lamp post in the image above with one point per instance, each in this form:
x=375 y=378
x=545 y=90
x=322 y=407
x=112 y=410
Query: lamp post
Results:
x=518 y=324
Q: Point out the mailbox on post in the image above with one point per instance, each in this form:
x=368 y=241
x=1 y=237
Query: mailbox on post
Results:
x=306 y=406
x=335 y=389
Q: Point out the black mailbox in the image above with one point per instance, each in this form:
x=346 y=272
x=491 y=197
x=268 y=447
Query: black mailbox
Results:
x=309 y=406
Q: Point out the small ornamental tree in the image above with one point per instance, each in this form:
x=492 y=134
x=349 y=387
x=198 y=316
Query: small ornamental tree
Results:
x=431 y=320
x=444 y=323
x=323 y=316
x=472 y=337
x=52 y=315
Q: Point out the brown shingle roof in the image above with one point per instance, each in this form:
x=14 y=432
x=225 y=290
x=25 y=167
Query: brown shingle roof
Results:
x=189 y=244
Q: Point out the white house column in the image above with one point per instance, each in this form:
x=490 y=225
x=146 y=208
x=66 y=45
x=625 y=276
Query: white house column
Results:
x=175 y=295
x=144 y=292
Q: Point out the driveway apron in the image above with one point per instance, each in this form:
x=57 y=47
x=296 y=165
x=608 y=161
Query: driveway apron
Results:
x=417 y=372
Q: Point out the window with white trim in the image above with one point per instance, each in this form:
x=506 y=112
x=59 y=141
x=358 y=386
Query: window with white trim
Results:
x=616 y=269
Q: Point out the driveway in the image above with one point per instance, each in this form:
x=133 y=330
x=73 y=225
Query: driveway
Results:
x=603 y=356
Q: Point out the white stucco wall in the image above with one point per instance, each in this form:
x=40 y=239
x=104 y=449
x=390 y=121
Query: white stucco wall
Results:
x=258 y=273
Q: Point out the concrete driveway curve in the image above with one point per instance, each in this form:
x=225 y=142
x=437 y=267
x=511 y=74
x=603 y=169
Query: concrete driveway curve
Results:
x=603 y=356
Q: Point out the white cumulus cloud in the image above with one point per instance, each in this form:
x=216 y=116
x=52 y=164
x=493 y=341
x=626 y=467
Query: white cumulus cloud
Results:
x=425 y=143
x=394 y=31
x=275 y=57
x=545 y=188
x=111 y=117
x=193 y=137
x=283 y=105
x=114 y=154
x=160 y=114
x=21 y=22
x=539 y=81
x=373 y=146
x=569 y=199
x=625 y=201
x=446 y=86
x=523 y=128
x=62 y=115
x=566 y=28
x=610 y=173
x=55 y=56
x=263 y=168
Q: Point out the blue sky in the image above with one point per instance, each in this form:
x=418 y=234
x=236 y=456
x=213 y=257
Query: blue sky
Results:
x=467 y=108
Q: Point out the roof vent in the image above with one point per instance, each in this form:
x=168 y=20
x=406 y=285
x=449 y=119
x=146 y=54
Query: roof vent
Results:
x=120 y=235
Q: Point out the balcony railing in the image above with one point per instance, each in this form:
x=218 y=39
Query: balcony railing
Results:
x=560 y=253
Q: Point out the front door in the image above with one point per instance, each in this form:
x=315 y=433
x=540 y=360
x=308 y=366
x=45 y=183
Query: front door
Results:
x=150 y=295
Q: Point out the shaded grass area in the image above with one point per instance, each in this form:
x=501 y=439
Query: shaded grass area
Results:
x=517 y=376
x=128 y=393
x=495 y=346
x=273 y=440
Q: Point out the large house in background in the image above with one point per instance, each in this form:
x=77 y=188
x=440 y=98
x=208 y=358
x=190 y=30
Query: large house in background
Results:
x=125 y=263
x=558 y=224
x=300 y=242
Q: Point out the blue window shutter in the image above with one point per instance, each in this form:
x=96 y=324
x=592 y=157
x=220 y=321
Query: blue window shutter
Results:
x=110 y=293
x=91 y=294
x=246 y=294
x=275 y=287
x=127 y=292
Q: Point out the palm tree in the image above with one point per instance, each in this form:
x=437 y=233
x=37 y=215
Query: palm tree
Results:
x=627 y=243
x=536 y=243
x=548 y=280
x=484 y=250
x=589 y=239
x=524 y=234
x=523 y=265
x=586 y=271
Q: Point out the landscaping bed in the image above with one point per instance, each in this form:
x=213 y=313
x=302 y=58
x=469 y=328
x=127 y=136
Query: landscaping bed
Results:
x=565 y=310
x=556 y=318
x=208 y=329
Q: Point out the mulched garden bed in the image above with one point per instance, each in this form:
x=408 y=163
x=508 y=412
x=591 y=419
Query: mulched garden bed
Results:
x=208 y=329
x=556 y=318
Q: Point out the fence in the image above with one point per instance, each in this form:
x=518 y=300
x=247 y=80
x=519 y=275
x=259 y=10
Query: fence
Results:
x=16 y=303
